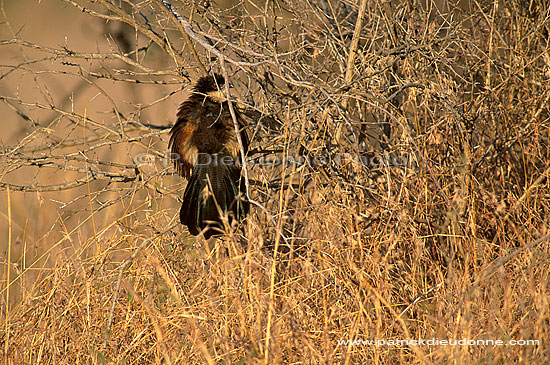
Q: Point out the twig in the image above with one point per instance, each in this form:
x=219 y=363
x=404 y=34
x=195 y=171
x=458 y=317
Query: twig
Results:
x=355 y=41
x=83 y=55
x=176 y=17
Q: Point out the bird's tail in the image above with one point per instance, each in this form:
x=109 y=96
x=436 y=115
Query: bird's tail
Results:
x=213 y=187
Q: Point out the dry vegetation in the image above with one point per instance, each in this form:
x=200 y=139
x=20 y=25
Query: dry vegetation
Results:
x=449 y=240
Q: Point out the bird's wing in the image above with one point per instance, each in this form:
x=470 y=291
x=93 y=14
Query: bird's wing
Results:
x=182 y=151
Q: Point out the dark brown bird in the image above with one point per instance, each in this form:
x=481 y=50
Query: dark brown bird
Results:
x=205 y=150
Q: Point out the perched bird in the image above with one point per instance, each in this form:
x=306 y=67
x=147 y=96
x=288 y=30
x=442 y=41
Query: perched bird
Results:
x=205 y=150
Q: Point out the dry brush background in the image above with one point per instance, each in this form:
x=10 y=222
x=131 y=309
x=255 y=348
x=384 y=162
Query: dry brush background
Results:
x=425 y=214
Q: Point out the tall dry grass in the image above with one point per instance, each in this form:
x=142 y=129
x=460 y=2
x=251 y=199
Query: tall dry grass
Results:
x=423 y=213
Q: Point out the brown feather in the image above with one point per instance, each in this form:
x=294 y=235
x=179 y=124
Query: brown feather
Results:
x=204 y=126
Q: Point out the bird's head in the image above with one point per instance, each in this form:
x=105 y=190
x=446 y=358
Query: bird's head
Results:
x=212 y=86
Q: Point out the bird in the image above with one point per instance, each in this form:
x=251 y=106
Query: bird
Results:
x=205 y=150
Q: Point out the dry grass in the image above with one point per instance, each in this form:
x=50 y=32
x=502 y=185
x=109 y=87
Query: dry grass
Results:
x=448 y=242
